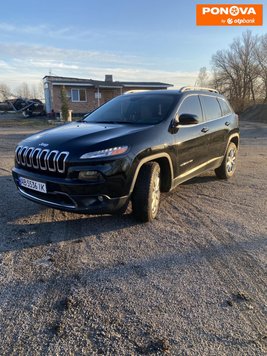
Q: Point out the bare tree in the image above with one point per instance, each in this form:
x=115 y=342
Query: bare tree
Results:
x=5 y=92
x=34 y=92
x=236 y=72
x=40 y=90
x=23 y=90
x=37 y=91
x=203 y=78
x=260 y=53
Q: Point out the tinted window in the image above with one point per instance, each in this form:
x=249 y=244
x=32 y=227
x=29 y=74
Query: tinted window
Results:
x=211 y=107
x=225 y=107
x=135 y=108
x=191 y=105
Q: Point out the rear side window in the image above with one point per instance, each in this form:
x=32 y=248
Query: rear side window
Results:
x=191 y=105
x=211 y=107
x=226 y=110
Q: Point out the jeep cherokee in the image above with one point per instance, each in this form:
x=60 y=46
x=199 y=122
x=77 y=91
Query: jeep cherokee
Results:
x=134 y=147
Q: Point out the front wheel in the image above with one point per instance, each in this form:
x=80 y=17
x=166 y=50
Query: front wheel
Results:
x=228 y=166
x=146 y=194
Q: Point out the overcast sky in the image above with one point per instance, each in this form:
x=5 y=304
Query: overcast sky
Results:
x=152 y=40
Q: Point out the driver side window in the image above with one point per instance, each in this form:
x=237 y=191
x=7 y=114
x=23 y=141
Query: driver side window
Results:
x=191 y=105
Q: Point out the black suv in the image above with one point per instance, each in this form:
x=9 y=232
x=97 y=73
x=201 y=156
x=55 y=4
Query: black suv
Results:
x=131 y=148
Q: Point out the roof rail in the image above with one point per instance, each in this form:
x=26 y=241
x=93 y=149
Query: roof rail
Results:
x=133 y=91
x=183 y=89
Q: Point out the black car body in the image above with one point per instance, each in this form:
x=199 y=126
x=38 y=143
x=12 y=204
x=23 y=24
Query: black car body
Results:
x=97 y=165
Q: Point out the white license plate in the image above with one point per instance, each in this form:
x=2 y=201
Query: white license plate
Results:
x=32 y=184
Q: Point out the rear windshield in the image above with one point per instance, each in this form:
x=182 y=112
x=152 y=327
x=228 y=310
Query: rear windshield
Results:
x=135 y=108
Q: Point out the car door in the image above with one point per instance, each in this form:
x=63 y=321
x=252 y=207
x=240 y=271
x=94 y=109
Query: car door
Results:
x=190 y=141
x=216 y=125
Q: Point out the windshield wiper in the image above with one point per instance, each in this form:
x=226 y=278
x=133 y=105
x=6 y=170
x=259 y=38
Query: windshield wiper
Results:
x=117 y=122
x=107 y=122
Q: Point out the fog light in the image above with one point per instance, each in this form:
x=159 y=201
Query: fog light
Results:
x=89 y=175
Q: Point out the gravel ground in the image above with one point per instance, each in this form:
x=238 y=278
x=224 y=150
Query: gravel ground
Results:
x=193 y=282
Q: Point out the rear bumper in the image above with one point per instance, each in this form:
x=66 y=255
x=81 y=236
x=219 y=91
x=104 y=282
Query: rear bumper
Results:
x=74 y=196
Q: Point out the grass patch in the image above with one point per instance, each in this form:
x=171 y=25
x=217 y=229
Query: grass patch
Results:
x=21 y=122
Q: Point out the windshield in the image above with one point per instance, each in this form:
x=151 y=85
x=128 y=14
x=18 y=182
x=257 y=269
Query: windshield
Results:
x=135 y=108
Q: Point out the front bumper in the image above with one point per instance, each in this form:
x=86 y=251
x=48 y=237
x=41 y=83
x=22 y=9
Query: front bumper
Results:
x=71 y=195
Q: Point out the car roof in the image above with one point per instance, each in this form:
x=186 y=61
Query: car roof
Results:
x=182 y=91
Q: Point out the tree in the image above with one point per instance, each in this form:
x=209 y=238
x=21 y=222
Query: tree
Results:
x=203 y=78
x=64 y=104
x=260 y=53
x=37 y=91
x=5 y=92
x=34 y=92
x=23 y=90
x=236 y=72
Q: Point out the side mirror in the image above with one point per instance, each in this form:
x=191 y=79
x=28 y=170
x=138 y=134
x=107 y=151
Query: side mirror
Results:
x=188 y=119
x=174 y=126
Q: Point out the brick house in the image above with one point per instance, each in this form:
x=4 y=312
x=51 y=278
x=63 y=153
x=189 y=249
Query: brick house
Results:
x=85 y=95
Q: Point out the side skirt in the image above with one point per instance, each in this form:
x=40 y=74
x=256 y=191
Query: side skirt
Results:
x=207 y=166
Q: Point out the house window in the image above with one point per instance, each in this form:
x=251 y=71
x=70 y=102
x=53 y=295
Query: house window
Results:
x=78 y=95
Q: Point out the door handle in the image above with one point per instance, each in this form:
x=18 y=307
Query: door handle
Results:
x=205 y=129
x=227 y=123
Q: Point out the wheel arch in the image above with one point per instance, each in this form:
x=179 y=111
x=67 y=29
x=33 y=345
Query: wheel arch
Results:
x=166 y=169
x=235 y=138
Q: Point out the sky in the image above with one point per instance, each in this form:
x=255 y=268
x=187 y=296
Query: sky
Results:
x=134 y=40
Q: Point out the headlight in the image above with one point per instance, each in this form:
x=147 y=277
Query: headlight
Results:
x=105 y=153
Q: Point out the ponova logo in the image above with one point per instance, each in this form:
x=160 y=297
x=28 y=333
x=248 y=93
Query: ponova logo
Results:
x=233 y=10
x=229 y=15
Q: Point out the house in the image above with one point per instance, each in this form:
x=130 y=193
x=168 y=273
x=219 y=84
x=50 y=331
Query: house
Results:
x=85 y=95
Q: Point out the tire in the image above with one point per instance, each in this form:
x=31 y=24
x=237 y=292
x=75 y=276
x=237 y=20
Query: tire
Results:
x=146 y=194
x=228 y=166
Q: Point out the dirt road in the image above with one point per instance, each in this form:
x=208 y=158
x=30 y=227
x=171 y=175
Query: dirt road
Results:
x=193 y=282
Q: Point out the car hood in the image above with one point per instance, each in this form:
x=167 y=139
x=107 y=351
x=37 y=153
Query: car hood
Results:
x=80 y=135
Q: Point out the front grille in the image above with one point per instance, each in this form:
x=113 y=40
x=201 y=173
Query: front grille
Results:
x=41 y=159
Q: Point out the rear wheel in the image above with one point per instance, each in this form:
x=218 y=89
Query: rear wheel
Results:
x=228 y=166
x=146 y=194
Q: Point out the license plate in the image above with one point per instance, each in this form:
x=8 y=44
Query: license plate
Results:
x=32 y=184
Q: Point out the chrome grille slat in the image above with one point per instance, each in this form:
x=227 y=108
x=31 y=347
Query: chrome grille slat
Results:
x=28 y=157
x=43 y=159
x=35 y=158
x=17 y=153
x=64 y=155
x=22 y=154
x=51 y=154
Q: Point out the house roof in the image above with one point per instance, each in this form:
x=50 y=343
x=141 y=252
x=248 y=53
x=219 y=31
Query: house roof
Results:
x=55 y=80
